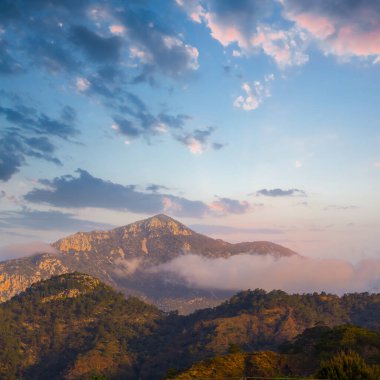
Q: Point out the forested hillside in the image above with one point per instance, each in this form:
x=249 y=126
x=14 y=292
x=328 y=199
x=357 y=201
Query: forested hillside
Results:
x=75 y=327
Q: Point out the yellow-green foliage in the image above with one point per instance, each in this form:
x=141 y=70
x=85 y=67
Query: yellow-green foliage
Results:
x=232 y=365
x=262 y=364
x=348 y=366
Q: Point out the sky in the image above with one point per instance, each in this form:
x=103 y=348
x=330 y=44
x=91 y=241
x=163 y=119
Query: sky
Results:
x=245 y=119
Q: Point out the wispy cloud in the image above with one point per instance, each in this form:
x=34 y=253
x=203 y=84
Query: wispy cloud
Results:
x=281 y=193
x=226 y=230
x=16 y=251
x=47 y=220
x=341 y=207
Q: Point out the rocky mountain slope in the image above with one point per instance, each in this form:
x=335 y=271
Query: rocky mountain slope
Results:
x=120 y=257
x=75 y=327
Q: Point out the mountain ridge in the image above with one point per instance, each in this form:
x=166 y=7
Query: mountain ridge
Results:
x=121 y=256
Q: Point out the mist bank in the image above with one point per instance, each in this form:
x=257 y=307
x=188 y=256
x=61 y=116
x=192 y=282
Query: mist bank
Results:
x=16 y=251
x=292 y=274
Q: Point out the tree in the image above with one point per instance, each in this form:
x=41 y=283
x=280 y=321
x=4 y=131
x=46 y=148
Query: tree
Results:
x=347 y=366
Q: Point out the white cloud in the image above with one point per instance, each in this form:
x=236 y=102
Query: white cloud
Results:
x=254 y=94
x=286 y=47
x=292 y=274
x=15 y=251
x=117 y=29
x=82 y=84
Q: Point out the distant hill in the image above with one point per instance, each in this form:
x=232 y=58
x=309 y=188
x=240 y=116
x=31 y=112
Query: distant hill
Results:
x=74 y=327
x=301 y=357
x=259 y=320
x=119 y=256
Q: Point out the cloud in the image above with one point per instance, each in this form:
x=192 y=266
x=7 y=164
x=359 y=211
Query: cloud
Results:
x=127 y=267
x=291 y=274
x=198 y=141
x=136 y=120
x=16 y=251
x=254 y=94
x=28 y=119
x=340 y=207
x=155 y=46
x=96 y=47
x=286 y=47
x=82 y=84
x=104 y=49
x=29 y=134
x=247 y=24
x=47 y=220
x=343 y=28
x=208 y=229
x=281 y=193
x=88 y=191
x=154 y=188
x=230 y=206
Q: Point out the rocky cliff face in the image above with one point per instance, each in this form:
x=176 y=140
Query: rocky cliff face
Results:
x=120 y=256
x=17 y=275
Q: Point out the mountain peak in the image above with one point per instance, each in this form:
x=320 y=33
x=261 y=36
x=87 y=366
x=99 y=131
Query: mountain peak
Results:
x=162 y=222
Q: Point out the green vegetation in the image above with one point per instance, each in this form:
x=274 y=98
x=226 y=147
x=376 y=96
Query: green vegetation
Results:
x=75 y=327
x=348 y=366
x=71 y=326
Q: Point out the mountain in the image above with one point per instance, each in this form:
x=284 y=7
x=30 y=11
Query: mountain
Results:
x=74 y=327
x=71 y=327
x=120 y=257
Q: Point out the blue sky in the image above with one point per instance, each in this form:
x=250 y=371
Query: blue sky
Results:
x=249 y=120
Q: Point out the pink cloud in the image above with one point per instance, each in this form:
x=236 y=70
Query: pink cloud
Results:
x=293 y=274
x=341 y=28
x=225 y=34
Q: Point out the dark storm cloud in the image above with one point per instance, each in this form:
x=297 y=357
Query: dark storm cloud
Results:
x=88 y=191
x=281 y=193
x=48 y=220
x=96 y=47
